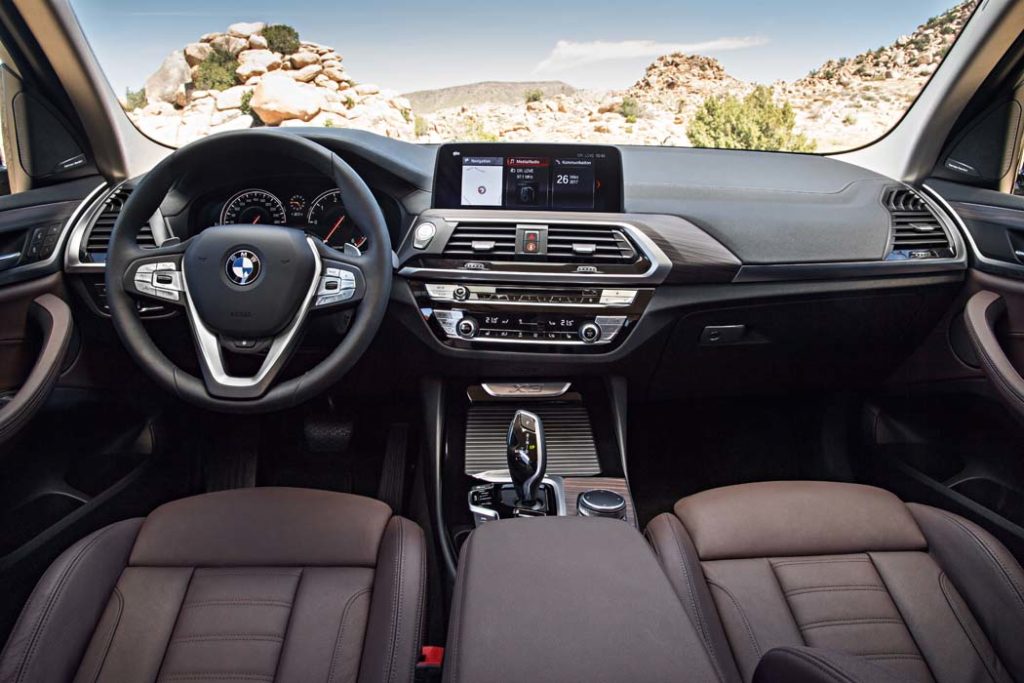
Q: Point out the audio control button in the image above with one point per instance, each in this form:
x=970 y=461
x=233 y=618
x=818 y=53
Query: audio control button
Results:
x=460 y=293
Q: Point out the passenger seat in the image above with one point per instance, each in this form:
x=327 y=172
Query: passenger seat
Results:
x=834 y=569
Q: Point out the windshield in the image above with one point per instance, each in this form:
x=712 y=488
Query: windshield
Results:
x=789 y=75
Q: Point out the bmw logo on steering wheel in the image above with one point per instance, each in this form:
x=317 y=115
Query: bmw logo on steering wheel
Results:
x=243 y=267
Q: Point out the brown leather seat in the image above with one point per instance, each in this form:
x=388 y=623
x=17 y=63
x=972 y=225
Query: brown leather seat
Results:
x=266 y=584
x=914 y=592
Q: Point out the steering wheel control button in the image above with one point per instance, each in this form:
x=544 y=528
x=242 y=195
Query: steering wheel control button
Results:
x=590 y=333
x=243 y=267
x=467 y=328
x=424 y=235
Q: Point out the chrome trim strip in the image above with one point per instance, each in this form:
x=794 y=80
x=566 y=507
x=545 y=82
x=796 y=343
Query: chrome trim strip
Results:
x=512 y=389
x=656 y=273
x=211 y=355
x=555 y=481
x=73 y=254
x=968 y=237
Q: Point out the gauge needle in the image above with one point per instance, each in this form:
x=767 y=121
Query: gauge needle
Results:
x=256 y=221
x=334 y=229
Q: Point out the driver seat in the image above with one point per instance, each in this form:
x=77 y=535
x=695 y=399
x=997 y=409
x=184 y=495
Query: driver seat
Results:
x=263 y=584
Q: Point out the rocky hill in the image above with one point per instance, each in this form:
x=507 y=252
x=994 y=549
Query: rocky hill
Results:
x=308 y=86
x=843 y=103
x=488 y=92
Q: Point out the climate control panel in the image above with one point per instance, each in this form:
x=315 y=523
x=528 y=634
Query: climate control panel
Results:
x=470 y=315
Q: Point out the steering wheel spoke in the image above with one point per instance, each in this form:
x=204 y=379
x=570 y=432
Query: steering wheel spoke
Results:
x=158 y=275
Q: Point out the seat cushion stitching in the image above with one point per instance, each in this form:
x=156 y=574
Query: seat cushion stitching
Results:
x=944 y=585
x=836 y=560
x=238 y=601
x=849 y=622
x=910 y=633
x=396 y=613
x=52 y=600
x=420 y=607
x=705 y=633
x=1004 y=573
x=228 y=636
x=288 y=623
x=188 y=586
x=782 y=591
x=339 y=636
x=217 y=676
x=894 y=655
x=832 y=589
x=743 y=617
x=113 y=632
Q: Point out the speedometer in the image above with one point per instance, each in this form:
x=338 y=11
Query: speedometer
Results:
x=253 y=206
x=329 y=220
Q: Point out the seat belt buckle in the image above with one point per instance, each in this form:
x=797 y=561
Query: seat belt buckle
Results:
x=428 y=668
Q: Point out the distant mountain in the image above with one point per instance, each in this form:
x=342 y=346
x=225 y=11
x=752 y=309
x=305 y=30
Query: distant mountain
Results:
x=488 y=92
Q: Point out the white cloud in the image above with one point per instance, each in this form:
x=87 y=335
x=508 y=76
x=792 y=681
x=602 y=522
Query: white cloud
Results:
x=568 y=54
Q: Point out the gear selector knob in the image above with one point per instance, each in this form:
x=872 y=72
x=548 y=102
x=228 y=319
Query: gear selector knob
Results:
x=527 y=459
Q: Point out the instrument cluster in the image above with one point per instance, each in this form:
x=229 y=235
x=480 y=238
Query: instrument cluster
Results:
x=312 y=207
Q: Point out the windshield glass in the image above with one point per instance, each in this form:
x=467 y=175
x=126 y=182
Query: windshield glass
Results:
x=744 y=74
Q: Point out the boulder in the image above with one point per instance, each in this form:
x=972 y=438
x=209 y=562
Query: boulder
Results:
x=337 y=75
x=169 y=81
x=232 y=97
x=236 y=123
x=257 y=42
x=158 y=109
x=278 y=98
x=244 y=29
x=207 y=37
x=256 y=63
x=306 y=73
x=367 y=89
x=197 y=52
x=301 y=59
x=230 y=44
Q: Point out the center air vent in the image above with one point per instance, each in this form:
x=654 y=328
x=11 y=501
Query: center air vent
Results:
x=574 y=243
x=487 y=242
x=916 y=230
x=589 y=244
x=98 y=238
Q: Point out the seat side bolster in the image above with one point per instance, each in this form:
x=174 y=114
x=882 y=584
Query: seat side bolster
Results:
x=815 y=665
x=395 y=626
x=986 y=575
x=57 y=622
x=678 y=558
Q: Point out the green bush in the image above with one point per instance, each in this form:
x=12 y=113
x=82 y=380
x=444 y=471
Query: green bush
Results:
x=246 y=106
x=217 y=72
x=282 y=38
x=535 y=95
x=754 y=122
x=134 y=99
x=421 y=127
x=630 y=109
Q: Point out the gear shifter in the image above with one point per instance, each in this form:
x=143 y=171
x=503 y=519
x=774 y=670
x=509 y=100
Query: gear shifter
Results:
x=527 y=459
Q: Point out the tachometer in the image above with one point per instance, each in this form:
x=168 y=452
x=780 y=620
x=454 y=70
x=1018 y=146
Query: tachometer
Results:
x=329 y=220
x=253 y=206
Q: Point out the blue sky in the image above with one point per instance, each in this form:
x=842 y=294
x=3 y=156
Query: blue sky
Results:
x=409 y=45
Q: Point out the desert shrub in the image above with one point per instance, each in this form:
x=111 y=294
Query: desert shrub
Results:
x=217 y=72
x=535 y=95
x=476 y=132
x=246 y=106
x=420 y=127
x=282 y=38
x=631 y=119
x=849 y=120
x=754 y=122
x=134 y=99
x=630 y=108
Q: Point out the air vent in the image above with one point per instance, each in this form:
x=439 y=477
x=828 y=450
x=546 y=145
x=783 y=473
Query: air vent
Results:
x=916 y=230
x=487 y=242
x=98 y=238
x=601 y=244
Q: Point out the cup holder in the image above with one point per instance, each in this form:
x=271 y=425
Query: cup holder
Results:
x=1002 y=500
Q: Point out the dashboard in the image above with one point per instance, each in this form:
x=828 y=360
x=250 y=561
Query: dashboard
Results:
x=309 y=203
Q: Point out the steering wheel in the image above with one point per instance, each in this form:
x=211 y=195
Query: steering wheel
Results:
x=248 y=288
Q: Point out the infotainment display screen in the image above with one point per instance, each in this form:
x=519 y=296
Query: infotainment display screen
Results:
x=537 y=177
